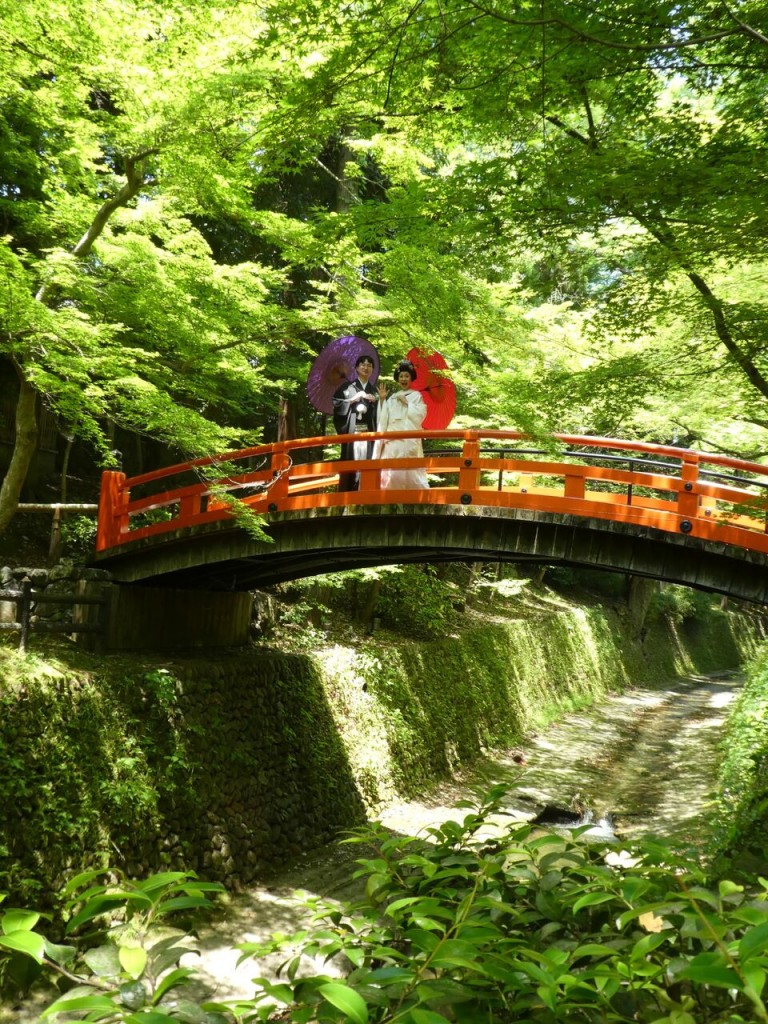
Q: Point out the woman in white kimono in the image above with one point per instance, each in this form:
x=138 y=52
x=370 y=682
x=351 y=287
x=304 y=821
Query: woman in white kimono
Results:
x=404 y=410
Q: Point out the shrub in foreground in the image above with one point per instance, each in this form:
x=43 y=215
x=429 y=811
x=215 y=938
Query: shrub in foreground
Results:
x=483 y=923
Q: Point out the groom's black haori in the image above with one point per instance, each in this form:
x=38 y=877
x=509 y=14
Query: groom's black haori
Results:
x=351 y=415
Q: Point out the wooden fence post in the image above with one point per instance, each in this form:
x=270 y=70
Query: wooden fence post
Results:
x=54 y=548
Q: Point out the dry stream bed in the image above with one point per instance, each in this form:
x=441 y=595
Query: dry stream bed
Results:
x=647 y=756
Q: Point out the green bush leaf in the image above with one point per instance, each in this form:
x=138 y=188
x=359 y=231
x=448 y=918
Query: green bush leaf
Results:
x=96 y=907
x=104 y=960
x=648 y=943
x=28 y=943
x=95 y=1006
x=396 y=905
x=728 y=888
x=753 y=941
x=18 y=920
x=347 y=1000
x=183 y=1009
x=59 y=954
x=710 y=969
x=164 y=880
x=755 y=979
x=172 y=979
x=750 y=915
x=132 y=994
x=592 y=899
x=382 y=975
x=82 y=879
x=158 y=1017
x=375 y=883
x=182 y=903
x=593 y=949
x=421 y=1016
x=133 y=960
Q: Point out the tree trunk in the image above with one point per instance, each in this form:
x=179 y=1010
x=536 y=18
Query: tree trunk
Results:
x=23 y=450
x=26 y=419
x=347 y=189
x=286 y=420
x=537 y=578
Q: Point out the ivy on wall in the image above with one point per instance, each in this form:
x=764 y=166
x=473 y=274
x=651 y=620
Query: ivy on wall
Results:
x=411 y=712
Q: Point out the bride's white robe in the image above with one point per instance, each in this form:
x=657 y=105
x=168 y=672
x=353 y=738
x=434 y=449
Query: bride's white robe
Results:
x=404 y=410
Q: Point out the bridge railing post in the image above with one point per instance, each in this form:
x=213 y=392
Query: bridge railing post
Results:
x=469 y=473
x=573 y=486
x=370 y=480
x=281 y=465
x=112 y=522
x=687 y=496
x=190 y=507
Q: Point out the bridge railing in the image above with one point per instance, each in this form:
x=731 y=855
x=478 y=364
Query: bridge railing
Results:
x=677 y=490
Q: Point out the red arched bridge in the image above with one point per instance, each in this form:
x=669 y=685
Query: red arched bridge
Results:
x=624 y=506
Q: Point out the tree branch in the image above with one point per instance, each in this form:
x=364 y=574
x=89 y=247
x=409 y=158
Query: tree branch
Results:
x=658 y=230
x=748 y=30
x=572 y=132
x=590 y=118
x=745 y=364
x=611 y=44
x=134 y=179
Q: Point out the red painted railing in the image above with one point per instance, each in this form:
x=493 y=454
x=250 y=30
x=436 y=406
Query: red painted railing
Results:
x=712 y=497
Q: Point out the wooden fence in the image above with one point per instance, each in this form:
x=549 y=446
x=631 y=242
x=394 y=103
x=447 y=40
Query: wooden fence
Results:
x=26 y=599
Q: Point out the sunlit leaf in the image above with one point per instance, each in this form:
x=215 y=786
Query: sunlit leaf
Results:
x=348 y=1001
x=95 y=1006
x=133 y=960
x=18 y=920
x=29 y=943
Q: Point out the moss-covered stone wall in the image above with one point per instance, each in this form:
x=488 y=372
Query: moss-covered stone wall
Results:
x=416 y=711
x=222 y=766
x=228 y=764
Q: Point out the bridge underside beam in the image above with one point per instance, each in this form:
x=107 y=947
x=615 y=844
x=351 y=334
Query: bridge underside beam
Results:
x=225 y=557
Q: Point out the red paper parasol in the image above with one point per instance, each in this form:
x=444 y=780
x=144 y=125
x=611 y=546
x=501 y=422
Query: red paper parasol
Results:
x=437 y=390
x=334 y=365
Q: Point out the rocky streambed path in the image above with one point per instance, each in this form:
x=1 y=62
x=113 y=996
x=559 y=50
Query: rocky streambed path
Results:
x=647 y=757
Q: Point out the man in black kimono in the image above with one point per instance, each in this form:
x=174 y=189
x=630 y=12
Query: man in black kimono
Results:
x=355 y=411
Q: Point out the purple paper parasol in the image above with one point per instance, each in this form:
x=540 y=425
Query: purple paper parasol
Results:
x=334 y=365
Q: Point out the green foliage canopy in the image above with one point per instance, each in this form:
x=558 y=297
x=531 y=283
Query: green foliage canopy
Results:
x=568 y=202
